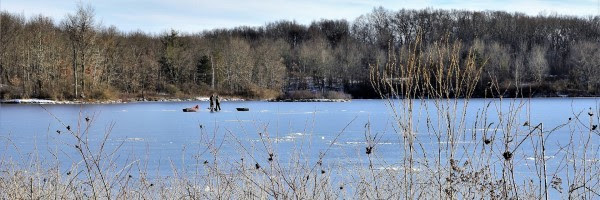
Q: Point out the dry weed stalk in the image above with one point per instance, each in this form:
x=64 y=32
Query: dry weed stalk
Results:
x=476 y=156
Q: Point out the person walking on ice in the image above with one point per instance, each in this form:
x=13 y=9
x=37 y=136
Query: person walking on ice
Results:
x=218 y=103
x=212 y=102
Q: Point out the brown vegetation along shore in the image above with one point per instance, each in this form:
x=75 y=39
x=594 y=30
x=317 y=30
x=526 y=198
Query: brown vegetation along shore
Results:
x=78 y=59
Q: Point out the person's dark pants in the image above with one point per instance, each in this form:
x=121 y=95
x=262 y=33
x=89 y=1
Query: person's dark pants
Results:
x=218 y=106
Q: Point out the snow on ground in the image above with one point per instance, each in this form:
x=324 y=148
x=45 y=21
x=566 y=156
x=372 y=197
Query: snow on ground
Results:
x=32 y=101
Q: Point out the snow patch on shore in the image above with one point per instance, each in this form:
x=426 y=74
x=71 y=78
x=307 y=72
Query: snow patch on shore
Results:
x=29 y=101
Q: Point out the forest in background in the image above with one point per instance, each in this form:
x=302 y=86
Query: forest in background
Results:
x=78 y=58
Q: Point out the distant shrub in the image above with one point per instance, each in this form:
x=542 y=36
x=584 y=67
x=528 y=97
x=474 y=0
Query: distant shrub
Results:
x=171 y=89
x=104 y=93
x=50 y=92
x=300 y=94
x=9 y=92
x=261 y=93
x=306 y=94
x=193 y=89
x=336 y=95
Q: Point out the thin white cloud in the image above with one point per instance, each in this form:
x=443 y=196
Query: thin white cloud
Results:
x=31 y=8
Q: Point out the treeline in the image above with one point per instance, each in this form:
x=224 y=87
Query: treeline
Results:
x=77 y=58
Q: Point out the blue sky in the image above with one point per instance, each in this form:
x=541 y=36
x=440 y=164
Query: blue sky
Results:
x=196 y=15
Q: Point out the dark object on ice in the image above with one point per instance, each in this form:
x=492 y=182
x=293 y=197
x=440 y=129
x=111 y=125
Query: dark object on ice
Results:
x=242 y=109
x=192 y=109
x=594 y=127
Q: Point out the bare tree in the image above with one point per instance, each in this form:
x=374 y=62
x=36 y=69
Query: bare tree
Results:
x=538 y=63
x=269 y=69
x=238 y=64
x=499 y=59
x=80 y=30
x=586 y=60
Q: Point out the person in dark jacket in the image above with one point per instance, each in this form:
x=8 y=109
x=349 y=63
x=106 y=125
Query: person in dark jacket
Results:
x=212 y=102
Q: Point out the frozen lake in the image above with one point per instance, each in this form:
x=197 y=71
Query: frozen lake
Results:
x=164 y=138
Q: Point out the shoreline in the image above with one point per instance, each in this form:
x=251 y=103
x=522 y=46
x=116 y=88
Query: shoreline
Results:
x=121 y=101
x=206 y=99
x=118 y=101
